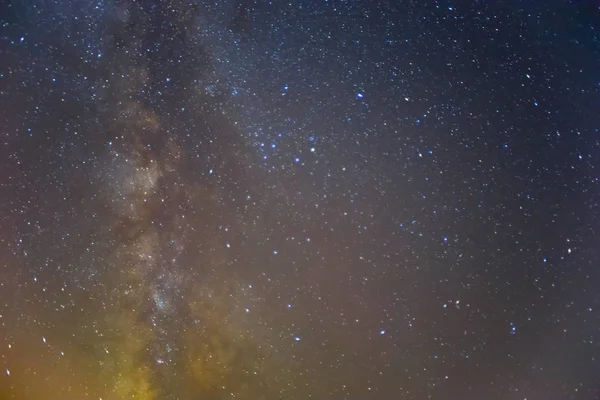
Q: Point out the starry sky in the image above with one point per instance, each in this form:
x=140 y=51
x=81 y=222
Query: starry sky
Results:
x=324 y=199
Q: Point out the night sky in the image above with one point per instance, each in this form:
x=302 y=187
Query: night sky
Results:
x=325 y=199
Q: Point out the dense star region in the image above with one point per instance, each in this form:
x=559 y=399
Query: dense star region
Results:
x=328 y=199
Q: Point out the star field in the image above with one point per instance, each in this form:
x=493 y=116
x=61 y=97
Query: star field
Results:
x=328 y=199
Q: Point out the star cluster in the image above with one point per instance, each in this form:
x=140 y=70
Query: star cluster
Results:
x=326 y=199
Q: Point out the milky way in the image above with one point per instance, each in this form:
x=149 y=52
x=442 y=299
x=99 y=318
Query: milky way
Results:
x=299 y=200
